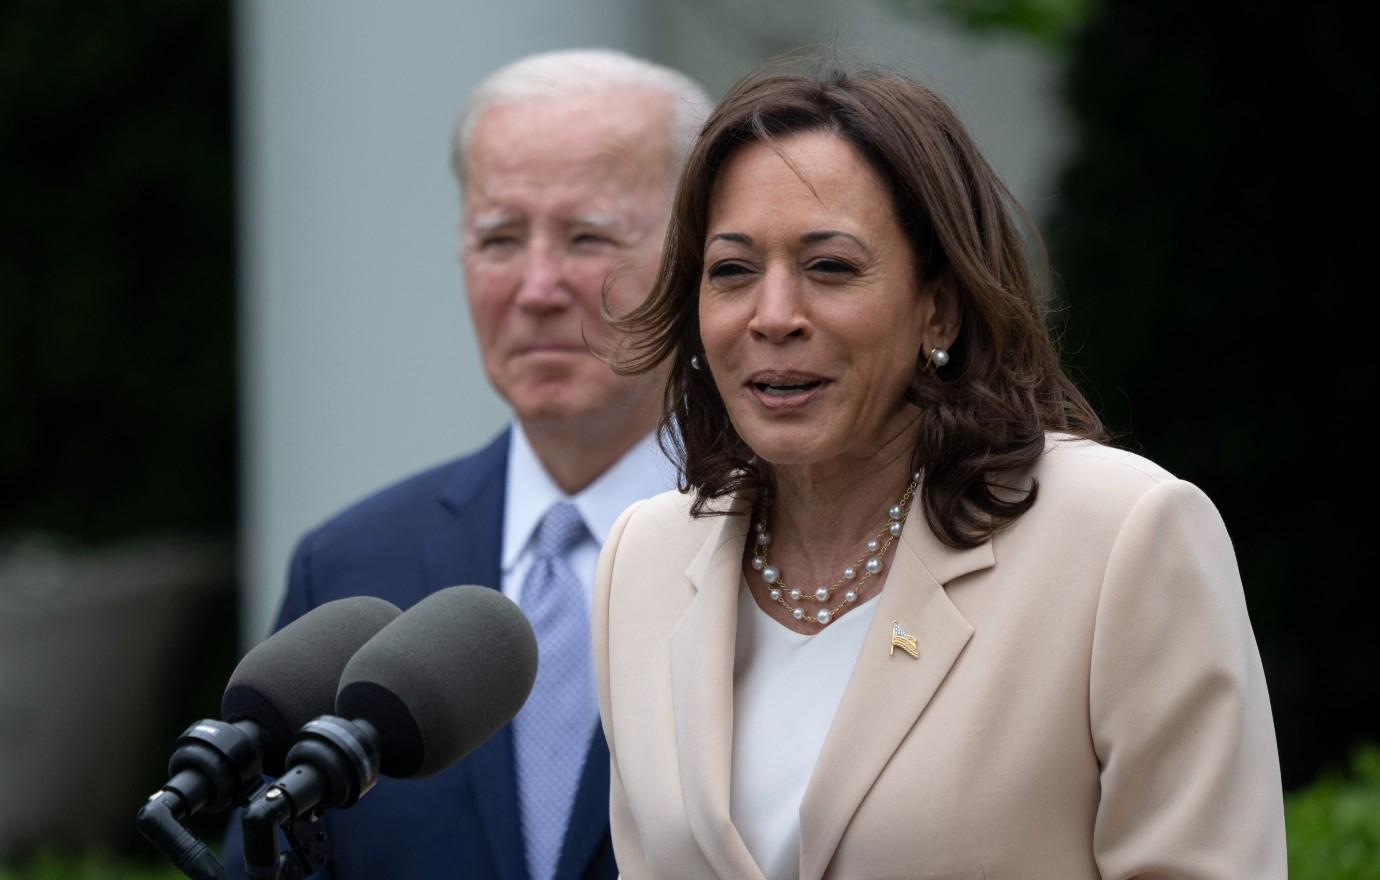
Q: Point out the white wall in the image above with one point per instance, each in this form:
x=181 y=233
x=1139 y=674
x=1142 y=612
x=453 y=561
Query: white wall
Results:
x=358 y=364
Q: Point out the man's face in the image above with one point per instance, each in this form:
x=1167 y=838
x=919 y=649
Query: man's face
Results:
x=565 y=198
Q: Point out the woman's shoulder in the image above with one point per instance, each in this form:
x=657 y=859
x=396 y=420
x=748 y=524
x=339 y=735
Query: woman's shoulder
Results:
x=1098 y=482
x=1068 y=458
x=667 y=510
x=672 y=504
x=1093 y=498
x=663 y=525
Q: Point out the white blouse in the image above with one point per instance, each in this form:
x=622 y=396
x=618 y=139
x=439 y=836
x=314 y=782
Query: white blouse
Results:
x=786 y=689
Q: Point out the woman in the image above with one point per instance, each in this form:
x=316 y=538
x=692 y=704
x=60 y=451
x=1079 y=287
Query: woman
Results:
x=910 y=618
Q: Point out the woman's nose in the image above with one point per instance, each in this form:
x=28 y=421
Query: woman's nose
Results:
x=778 y=314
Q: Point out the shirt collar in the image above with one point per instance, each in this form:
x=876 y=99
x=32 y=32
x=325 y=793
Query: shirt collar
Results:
x=643 y=471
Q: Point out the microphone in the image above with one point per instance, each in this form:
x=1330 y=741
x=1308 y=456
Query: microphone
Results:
x=292 y=676
x=420 y=695
x=284 y=681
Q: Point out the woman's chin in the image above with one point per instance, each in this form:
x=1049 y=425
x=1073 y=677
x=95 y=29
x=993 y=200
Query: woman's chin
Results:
x=787 y=449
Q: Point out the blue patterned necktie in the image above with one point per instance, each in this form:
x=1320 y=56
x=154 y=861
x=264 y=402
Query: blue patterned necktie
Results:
x=551 y=733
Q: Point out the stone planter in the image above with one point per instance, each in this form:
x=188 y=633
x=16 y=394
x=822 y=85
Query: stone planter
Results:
x=94 y=645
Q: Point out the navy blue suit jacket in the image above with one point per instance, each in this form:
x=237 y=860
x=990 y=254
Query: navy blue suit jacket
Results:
x=437 y=529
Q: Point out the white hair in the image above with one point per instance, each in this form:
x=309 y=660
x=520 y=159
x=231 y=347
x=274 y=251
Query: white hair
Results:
x=576 y=71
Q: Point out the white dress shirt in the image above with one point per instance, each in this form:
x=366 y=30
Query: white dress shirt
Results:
x=529 y=493
x=786 y=691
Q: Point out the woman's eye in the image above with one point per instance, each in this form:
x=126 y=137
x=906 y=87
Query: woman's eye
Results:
x=591 y=238
x=832 y=267
x=723 y=271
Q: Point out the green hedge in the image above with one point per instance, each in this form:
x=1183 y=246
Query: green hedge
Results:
x=51 y=866
x=1334 y=824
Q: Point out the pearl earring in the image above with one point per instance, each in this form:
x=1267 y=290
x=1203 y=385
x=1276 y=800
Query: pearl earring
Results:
x=939 y=357
x=694 y=362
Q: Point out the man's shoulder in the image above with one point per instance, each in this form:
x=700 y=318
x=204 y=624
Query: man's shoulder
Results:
x=409 y=503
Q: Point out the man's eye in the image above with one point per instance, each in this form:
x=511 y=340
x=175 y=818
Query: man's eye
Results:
x=490 y=242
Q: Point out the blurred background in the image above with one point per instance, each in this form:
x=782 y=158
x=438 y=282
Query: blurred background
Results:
x=230 y=303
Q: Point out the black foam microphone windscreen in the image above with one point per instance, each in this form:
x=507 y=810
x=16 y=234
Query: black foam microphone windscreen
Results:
x=442 y=678
x=292 y=676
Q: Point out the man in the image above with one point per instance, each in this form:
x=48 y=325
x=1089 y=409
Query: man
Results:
x=567 y=165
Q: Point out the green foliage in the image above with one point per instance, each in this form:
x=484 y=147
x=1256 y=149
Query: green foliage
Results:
x=1051 y=22
x=1210 y=240
x=117 y=358
x=52 y=866
x=1334 y=825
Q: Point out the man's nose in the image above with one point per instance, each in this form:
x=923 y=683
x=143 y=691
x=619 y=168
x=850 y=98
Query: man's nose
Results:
x=543 y=284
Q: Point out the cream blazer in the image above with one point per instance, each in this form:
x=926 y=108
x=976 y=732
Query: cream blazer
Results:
x=1088 y=701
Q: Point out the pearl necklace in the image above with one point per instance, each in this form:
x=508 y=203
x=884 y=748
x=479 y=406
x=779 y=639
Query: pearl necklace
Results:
x=856 y=575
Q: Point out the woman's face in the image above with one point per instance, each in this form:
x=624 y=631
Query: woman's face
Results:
x=810 y=314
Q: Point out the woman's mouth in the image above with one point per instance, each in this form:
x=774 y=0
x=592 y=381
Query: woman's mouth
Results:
x=785 y=391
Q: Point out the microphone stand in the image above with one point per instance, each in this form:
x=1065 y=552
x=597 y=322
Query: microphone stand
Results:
x=308 y=846
x=159 y=821
x=214 y=765
x=333 y=763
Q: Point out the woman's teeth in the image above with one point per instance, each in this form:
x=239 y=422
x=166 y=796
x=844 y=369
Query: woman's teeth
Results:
x=785 y=389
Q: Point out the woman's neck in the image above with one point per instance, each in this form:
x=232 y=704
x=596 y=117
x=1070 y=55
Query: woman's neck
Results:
x=822 y=514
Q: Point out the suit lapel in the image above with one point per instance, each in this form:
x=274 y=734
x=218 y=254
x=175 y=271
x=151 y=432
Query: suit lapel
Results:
x=489 y=770
x=702 y=652
x=465 y=544
x=589 y=817
x=465 y=547
x=887 y=691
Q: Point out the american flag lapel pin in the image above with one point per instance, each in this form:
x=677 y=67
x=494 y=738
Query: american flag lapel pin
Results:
x=903 y=640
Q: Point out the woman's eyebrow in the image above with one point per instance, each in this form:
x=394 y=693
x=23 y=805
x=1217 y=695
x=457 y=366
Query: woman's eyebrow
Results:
x=813 y=237
x=736 y=237
x=826 y=234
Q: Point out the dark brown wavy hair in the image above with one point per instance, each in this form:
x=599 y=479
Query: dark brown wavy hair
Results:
x=983 y=417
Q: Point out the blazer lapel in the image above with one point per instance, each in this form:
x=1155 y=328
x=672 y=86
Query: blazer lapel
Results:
x=887 y=691
x=465 y=547
x=702 y=652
